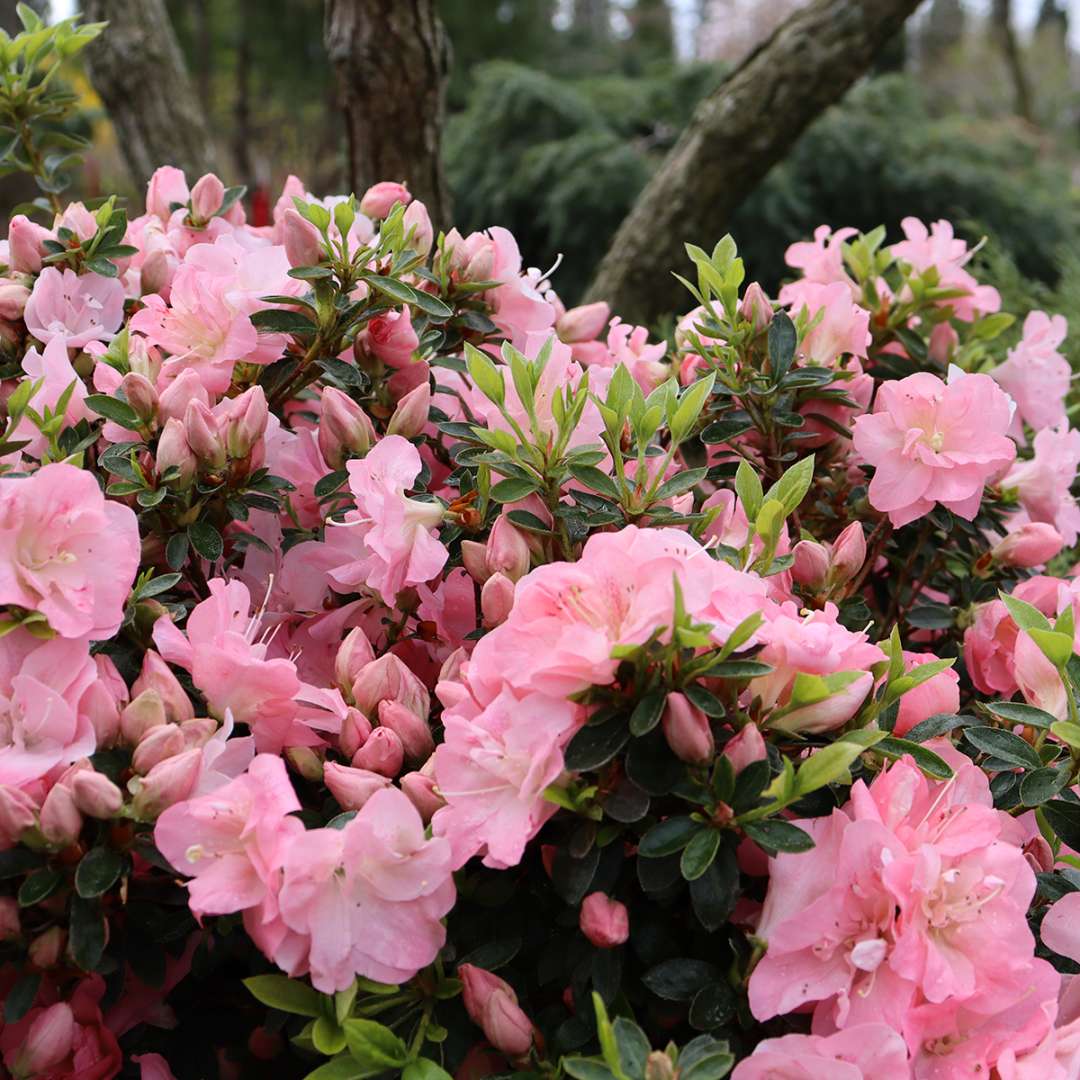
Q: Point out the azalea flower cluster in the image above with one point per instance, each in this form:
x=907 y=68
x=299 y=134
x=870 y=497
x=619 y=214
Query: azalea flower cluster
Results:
x=435 y=680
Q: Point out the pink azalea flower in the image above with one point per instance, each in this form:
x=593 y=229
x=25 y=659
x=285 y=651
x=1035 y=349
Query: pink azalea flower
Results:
x=812 y=645
x=821 y=259
x=838 y=326
x=53 y=367
x=493 y=768
x=394 y=534
x=231 y=841
x=862 y=1052
x=228 y=662
x=368 y=897
x=938 y=248
x=1042 y=482
x=42 y=725
x=66 y=551
x=939 y=694
x=1035 y=375
x=74 y=309
x=932 y=442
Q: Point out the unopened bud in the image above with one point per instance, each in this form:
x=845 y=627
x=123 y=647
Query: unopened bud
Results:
x=156 y=675
x=848 y=554
x=422 y=794
x=167 y=783
x=173 y=450
x=145 y=711
x=605 y=922
x=352 y=787
x=755 y=307
x=585 y=323
x=496 y=600
x=95 y=794
x=203 y=435
x=48 y=1041
x=507 y=552
x=18 y=812
x=380 y=199
x=206 y=197
x=246 y=423
x=141 y=395
x=381 y=753
x=303 y=244
x=419 y=233
x=412 y=730
x=355 y=729
x=26 y=244
x=47 y=949
x=811 y=565
x=1032 y=544
x=157 y=744
x=344 y=428
x=411 y=415
x=687 y=730
x=60 y=821
x=745 y=748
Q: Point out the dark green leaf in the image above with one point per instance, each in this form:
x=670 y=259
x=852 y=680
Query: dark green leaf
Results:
x=596 y=744
x=930 y=763
x=647 y=712
x=98 y=870
x=1003 y=745
x=713 y=1006
x=680 y=979
x=1064 y=819
x=699 y=853
x=1040 y=785
x=206 y=540
x=775 y=836
x=86 y=940
x=513 y=489
x=282 y=321
x=668 y=836
x=40 y=885
x=1018 y=712
x=18 y=860
x=937 y=725
x=119 y=412
x=782 y=340
x=595 y=480
x=176 y=550
x=20 y=997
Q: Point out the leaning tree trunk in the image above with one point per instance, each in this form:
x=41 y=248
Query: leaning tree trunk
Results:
x=1010 y=47
x=735 y=136
x=392 y=59
x=137 y=68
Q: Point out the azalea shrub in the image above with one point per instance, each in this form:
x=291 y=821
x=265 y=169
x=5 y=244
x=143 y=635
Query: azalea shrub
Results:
x=403 y=675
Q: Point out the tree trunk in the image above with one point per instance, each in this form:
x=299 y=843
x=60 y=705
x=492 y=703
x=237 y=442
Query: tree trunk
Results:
x=137 y=68
x=1010 y=47
x=735 y=136
x=391 y=58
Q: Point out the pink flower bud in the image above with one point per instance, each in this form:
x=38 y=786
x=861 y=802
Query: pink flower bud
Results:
x=381 y=753
x=451 y=666
x=422 y=794
x=246 y=422
x=198 y=731
x=419 y=233
x=156 y=272
x=481 y=266
x=185 y=388
x=943 y=342
x=747 y=747
x=412 y=730
x=26 y=244
x=303 y=243
x=9 y=918
x=203 y=435
x=352 y=787
x=156 y=675
x=1032 y=544
x=354 y=653
x=206 y=197
x=355 y=729
x=102 y=702
x=848 y=553
x=811 y=565
x=391 y=338
x=167 y=186
x=687 y=730
x=48 y=1041
x=379 y=199
x=13 y=297
x=18 y=812
x=166 y=783
x=173 y=450
x=604 y=921
x=659 y=1066
x=47 y=949
x=60 y=821
x=95 y=794
x=157 y=744
x=306 y=762
x=388 y=678
x=755 y=307
x=496 y=600
x=344 y=428
x=140 y=394
x=474 y=556
x=146 y=711
x=507 y=552
x=492 y=1004
x=411 y=414
x=585 y=323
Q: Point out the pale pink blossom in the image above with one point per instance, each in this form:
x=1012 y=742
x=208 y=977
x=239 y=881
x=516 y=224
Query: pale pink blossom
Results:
x=66 y=551
x=838 y=327
x=862 y=1052
x=1042 y=482
x=74 y=309
x=932 y=442
x=1035 y=374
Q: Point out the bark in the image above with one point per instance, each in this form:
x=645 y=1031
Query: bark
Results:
x=736 y=135
x=137 y=68
x=391 y=59
x=1010 y=47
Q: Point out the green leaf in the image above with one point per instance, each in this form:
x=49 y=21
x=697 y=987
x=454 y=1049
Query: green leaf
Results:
x=375 y=1045
x=782 y=341
x=206 y=540
x=699 y=853
x=285 y=994
x=39 y=886
x=667 y=837
x=1067 y=732
x=647 y=712
x=1019 y=712
x=775 y=835
x=329 y=1039
x=425 y=1069
x=595 y=480
x=282 y=321
x=596 y=744
x=1057 y=648
x=831 y=762
x=748 y=488
x=1003 y=745
x=1025 y=615
x=119 y=412
x=485 y=375
x=583 y=1068
x=341 y=1068
x=680 y=979
x=929 y=762
x=20 y=997
x=513 y=489
x=679 y=483
x=1041 y=785
x=86 y=933
x=713 y=895
x=98 y=871
x=791 y=488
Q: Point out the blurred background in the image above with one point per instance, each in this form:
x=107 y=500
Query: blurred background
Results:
x=559 y=110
